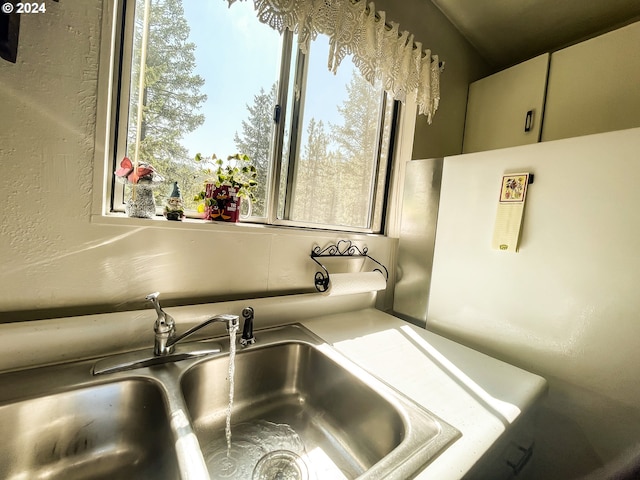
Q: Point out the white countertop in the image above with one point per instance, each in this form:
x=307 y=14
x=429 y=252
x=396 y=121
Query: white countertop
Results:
x=477 y=394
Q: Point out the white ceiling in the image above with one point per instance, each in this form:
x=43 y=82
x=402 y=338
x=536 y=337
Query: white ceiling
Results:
x=506 y=32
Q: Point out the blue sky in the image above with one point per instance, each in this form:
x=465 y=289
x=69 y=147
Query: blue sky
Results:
x=249 y=61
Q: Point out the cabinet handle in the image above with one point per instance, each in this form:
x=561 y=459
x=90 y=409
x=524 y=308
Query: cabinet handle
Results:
x=528 y=121
x=524 y=459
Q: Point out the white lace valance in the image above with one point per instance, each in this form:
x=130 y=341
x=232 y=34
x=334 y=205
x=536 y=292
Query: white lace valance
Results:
x=378 y=48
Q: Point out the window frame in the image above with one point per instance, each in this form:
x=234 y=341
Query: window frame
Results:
x=121 y=67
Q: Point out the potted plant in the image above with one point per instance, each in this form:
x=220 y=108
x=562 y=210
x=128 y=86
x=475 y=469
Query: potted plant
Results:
x=228 y=184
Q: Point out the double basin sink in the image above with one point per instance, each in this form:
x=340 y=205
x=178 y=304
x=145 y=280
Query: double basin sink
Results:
x=300 y=410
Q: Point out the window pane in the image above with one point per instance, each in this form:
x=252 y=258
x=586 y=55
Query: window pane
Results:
x=210 y=83
x=336 y=168
x=286 y=142
x=211 y=78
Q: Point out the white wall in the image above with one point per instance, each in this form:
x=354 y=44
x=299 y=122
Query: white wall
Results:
x=567 y=305
x=54 y=258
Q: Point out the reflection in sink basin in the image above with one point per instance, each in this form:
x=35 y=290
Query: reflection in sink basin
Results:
x=305 y=400
x=110 y=431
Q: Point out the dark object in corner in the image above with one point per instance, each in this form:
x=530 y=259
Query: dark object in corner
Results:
x=9 y=32
x=9 y=29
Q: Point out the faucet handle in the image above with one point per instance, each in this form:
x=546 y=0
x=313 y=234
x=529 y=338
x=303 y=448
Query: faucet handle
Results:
x=152 y=297
x=164 y=322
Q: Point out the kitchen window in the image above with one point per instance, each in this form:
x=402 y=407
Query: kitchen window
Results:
x=216 y=80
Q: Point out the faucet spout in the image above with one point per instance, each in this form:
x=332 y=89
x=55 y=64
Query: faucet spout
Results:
x=231 y=321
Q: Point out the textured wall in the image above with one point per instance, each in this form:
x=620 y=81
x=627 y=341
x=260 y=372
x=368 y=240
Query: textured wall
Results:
x=53 y=258
x=46 y=129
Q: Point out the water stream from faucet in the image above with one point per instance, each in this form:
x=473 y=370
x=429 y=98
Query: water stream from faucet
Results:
x=262 y=450
x=232 y=370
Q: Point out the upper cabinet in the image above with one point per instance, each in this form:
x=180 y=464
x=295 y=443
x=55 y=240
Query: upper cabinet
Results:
x=594 y=86
x=505 y=109
x=591 y=87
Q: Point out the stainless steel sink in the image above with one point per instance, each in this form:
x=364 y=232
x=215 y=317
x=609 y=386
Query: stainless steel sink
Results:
x=297 y=404
x=339 y=421
x=112 y=431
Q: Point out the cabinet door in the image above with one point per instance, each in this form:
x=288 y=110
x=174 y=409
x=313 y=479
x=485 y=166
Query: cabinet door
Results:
x=594 y=86
x=505 y=109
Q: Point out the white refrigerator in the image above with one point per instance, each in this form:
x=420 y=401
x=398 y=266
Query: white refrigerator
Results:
x=567 y=304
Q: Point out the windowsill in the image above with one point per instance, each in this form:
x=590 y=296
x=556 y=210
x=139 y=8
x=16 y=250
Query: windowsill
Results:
x=120 y=219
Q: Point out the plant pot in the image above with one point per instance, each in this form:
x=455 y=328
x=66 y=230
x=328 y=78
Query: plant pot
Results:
x=222 y=204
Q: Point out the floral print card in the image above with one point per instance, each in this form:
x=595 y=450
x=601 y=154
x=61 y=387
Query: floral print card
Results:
x=514 y=187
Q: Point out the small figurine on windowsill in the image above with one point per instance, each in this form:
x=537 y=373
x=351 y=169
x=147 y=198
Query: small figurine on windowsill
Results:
x=140 y=179
x=144 y=174
x=174 y=210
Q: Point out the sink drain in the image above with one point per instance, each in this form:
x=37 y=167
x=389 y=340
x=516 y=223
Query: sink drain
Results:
x=280 y=465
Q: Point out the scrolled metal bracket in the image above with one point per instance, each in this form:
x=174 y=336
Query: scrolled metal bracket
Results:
x=343 y=248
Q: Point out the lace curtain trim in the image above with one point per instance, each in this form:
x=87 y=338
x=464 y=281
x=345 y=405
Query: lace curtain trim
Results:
x=354 y=28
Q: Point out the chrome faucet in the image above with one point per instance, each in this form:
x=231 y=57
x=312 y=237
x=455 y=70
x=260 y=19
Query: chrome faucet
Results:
x=165 y=348
x=165 y=327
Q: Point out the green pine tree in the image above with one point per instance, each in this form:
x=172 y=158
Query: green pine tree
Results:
x=255 y=141
x=355 y=138
x=315 y=176
x=172 y=94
